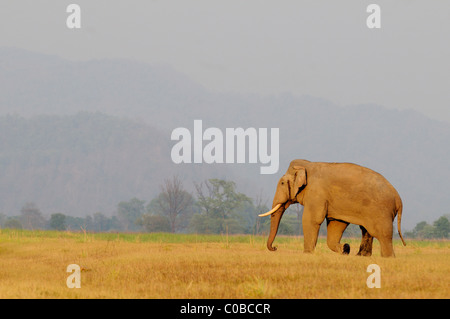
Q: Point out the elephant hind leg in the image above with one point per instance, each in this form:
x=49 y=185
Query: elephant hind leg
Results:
x=335 y=229
x=387 y=250
x=383 y=232
x=365 y=249
x=384 y=236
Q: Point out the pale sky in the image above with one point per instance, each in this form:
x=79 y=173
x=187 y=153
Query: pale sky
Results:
x=319 y=48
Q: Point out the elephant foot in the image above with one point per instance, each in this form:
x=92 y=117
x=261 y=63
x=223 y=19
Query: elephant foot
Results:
x=366 y=248
x=346 y=249
x=364 y=252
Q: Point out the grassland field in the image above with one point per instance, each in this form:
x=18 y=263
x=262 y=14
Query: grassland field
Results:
x=33 y=264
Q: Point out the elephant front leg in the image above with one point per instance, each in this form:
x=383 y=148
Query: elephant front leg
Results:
x=311 y=220
x=335 y=229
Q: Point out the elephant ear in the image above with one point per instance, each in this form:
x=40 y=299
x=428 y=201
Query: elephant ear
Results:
x=299 y=178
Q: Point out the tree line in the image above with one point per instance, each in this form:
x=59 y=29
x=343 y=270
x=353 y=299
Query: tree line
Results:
x=217 y=208
x=440 y=228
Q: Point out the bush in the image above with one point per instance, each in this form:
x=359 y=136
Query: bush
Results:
x=13 y=224
x=154 y=223
x=58 y=221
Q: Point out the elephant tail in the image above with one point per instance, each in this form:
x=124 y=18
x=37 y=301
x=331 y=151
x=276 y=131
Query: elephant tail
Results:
x=399 y=219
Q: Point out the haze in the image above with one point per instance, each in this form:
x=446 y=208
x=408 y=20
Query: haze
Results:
x=323 y=49
x=137 y=70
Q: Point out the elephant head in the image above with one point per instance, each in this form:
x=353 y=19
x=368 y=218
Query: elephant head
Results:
x=289 y=186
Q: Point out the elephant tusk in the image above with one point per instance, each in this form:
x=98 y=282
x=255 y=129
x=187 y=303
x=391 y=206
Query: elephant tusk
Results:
x=271 y=211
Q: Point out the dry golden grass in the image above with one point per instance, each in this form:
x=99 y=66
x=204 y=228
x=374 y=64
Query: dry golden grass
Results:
x=33 y=265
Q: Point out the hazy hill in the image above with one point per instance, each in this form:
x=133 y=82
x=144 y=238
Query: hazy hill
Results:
x=78 y=164
x=83 y=163
x=33 y=84
x=129 y=158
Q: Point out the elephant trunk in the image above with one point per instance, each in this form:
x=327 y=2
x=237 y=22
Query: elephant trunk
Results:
x=274 y=223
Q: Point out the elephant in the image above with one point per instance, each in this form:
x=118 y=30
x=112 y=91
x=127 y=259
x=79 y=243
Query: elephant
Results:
x=343 y=194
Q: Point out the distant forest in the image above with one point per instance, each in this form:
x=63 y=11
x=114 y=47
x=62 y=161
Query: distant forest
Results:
x=217 y=208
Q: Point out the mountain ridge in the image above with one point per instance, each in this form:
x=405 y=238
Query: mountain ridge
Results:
x=408 y=148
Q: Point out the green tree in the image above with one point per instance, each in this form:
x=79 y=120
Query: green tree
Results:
x=219 y=204
x=58 y=221
x=423 y=230
x=31 y=217
x=419 y=228
x=441 y=227
x=129 y=213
